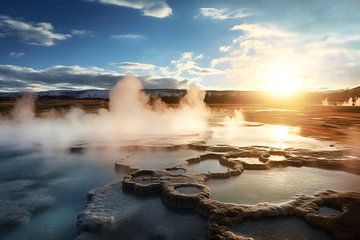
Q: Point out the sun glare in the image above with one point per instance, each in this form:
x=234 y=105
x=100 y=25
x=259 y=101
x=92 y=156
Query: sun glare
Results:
x=280 y=133
x=282 y=79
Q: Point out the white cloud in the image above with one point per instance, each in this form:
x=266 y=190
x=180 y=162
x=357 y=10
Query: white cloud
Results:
x=259 y=31
x=41 y=33
x=16 y=54
x=17 y=78
x=134 y=66
x=128 y=36
x=322 y=60
x=151 y=8
x=82 y=32
x=224 y=13
x=224 y=48
x=185 y=67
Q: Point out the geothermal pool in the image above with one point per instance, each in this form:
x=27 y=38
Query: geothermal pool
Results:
x=280 y=184
x=42 y=191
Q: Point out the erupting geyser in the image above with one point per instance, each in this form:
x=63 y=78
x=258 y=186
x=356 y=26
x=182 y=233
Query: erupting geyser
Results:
x=130 y=117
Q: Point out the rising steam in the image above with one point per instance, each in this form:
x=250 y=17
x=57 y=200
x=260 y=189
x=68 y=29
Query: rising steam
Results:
x=130 y=117
x=350 y=102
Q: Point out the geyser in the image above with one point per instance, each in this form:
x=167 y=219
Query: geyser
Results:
x=130 y=117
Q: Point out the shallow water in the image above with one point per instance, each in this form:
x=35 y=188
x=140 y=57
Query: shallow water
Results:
x=265 y=135
x=277 y=158
x=280 y=184
x=148 y=218
x=280 y=228
x=208 y=165
x=56 y=183
x=248 y=160
x=176 y=172
x=60 y=181
x=155 y=160
x=188 y=190
x=327 y=211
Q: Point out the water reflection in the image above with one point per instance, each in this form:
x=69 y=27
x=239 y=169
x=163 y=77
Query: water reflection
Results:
x=280 y=133
x=265 y=135
x=32 y=174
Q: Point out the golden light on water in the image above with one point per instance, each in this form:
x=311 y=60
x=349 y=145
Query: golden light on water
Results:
x=284 y=134
x=280 y=133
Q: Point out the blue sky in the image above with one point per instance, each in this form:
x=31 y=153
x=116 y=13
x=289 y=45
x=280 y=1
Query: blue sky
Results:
x=245 y=45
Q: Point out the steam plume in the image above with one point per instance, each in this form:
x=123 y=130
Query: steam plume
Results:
x=130 y=117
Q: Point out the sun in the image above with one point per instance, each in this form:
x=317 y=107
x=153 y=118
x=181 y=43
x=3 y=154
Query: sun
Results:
x=282 y=79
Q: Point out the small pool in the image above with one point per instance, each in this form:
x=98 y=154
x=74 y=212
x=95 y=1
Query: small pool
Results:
x=328 y=211
x=280 y=184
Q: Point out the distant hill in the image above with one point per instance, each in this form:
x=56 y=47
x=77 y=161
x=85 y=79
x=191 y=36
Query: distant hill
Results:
x=343 y=95
x=212 y=96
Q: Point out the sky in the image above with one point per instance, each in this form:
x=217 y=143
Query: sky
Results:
x=223 y=44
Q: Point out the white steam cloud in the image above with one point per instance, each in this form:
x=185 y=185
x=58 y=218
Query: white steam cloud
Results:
x=130 y=117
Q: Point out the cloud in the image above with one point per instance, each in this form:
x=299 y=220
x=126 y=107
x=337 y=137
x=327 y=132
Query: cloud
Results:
x=224 y=48
x=16 y=54
x=133 y=66
x=261 y=31
x=41 y=33
x=128 y=36
x=185 y=67
x=177 y=74
x=17 y=78
x=224 y=13
x=82 y=32
x=316 y=60
x=151 y=8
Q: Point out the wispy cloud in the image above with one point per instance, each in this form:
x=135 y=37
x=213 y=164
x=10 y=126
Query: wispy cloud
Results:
x=177 y=74
x=134 y=66
x=17 y=78
x=82 y=33
x=151 y=8
x=184 y=68
x=41 y=33
x=224 y=13
x=260 y=30
x=128 y=36
x=16 y=54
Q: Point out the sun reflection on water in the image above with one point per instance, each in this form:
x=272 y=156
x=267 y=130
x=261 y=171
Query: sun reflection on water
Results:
x=283 y=134
x=280 y=133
